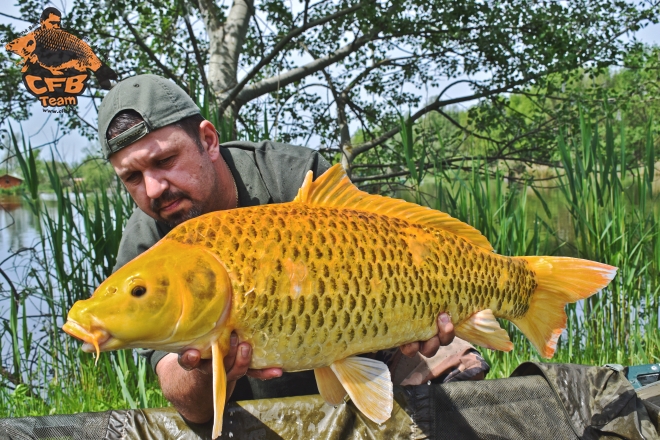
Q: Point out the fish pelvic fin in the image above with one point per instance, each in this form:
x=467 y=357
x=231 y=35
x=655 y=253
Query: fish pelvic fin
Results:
x=483 y=329
x=219 y=387
x=334 y=189
x=369 y=384
x=560 y=280
x=330 y=387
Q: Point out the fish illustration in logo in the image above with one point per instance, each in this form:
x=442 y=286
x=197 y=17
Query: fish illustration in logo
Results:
x=54 y=52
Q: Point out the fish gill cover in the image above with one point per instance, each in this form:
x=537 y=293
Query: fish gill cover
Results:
x=56 y=62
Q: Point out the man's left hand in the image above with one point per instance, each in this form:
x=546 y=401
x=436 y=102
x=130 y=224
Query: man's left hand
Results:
x=428 y=348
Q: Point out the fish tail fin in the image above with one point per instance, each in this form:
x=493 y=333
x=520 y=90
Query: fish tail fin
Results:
x=560 y=280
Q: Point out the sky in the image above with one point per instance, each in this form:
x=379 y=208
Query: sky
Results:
x=43 y=131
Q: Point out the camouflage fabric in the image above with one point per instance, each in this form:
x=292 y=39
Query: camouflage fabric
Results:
x=543 y=402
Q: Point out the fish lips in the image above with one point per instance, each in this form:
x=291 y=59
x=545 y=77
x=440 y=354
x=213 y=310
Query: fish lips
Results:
x=94 y=340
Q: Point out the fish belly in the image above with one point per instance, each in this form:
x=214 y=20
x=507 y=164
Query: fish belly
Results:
x=313 y=284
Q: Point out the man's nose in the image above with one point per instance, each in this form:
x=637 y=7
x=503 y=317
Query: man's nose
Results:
x=154 y=185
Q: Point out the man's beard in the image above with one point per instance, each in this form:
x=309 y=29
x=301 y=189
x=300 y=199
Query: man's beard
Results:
x=176 y=218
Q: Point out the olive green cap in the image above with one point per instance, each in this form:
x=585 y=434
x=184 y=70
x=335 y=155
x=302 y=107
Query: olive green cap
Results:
x=159 y=101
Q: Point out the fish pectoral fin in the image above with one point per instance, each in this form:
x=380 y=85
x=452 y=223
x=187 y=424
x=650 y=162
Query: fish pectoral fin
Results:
x=369 y=384
x=219 y=387
x=483 y=329
x=330 y=387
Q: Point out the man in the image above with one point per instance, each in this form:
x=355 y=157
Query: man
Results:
x=51 y=18
x=171 y=163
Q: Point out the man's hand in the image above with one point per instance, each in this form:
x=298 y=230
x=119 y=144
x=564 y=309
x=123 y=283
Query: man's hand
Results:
x=187 y=379
x=428 y=348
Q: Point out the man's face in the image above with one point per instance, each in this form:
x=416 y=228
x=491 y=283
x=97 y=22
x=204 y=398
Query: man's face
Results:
x=52 y=22
x=168 y=177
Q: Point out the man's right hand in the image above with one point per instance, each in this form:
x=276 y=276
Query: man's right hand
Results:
x=187 y=380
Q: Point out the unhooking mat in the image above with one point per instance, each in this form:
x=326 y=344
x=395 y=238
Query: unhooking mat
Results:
x=539 y=401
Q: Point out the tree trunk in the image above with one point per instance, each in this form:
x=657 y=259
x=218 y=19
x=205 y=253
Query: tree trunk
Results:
x=344 y=135
x=225 y=47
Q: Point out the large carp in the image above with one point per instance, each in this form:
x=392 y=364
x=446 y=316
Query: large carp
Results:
x=312 y=283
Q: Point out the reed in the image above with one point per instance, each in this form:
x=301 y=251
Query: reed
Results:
x=615 y=219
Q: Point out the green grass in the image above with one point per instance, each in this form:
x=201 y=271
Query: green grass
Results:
x=614 y=219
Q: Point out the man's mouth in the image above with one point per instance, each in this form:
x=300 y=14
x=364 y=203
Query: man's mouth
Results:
x=171 y=206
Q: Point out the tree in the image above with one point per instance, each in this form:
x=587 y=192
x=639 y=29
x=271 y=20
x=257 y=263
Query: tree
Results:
x=318 y=68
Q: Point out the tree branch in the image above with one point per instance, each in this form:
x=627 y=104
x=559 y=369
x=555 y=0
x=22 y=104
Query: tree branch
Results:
x=271 y=84
x=198 y=55
x=166 y=70
x=433 y=106
x=236 y=91
x=15 y=18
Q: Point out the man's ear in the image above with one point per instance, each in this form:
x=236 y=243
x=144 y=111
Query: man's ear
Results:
x=209 y=139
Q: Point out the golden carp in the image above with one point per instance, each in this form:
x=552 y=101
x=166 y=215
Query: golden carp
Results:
x=314 y=282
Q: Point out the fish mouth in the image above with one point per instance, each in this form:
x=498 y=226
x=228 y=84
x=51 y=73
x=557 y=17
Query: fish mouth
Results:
x=93 y=339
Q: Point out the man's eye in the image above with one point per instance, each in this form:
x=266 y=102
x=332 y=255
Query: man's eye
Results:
x=166 y=161
x=133 y=177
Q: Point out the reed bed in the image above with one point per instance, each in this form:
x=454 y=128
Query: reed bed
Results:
x=615 y=218
x=78 y=242
x=614 y=215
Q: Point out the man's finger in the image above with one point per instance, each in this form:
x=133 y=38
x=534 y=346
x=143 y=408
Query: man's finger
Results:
x=430 y=347
x=265 y=374
x=189 y=359
x=410 y=349
x=445 y=329
x=230 y=358
x=241 y=362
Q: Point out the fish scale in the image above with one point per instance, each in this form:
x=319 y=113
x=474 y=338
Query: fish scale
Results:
x=355 y=273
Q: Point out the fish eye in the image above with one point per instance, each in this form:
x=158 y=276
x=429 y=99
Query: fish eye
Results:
x=138 y=291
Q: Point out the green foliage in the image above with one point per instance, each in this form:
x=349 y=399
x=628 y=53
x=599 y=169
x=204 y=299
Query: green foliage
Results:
x=519 y=131
x=93 y=174
x=310 y=70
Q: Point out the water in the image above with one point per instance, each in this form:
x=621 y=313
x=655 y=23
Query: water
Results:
x=20 y=252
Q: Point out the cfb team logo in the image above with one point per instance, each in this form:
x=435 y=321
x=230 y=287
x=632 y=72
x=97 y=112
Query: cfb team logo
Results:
x=55 y=63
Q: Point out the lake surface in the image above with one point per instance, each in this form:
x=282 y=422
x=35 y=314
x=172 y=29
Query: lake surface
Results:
x=20 y=242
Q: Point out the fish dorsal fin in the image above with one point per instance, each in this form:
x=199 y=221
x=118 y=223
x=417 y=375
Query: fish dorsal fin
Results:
x=334 y=189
